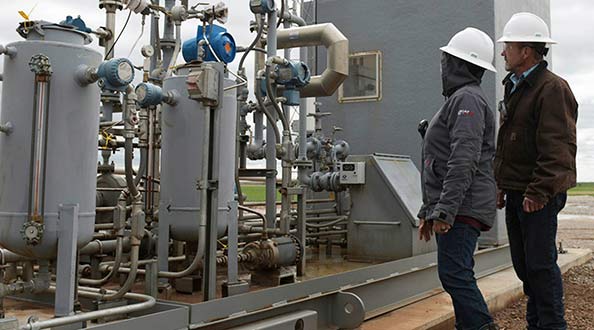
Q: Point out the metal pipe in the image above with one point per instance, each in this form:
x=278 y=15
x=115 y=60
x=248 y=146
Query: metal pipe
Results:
x=142 y=139
x=154 y=37
x=129 y=104
x=326 y=224
x=168 y=35
x=260 y=22
x=10 y=51
x=288 y=17
x=104 y=246
x=271 y=140
x=260 y=215
x=137 y=231
x=110 y=23
x=312 y=201
x=327 y=233
x=259 y=59
x=150 y=161
x=272 y=97
x=6 y=128
x=114 y=270
x=7 y=256
x=175 y=50
x=38 y=284
x=337 y=44
x=134 y=254
x=103 y=226
x=286 y=143
x=147 y=302
x=269 y=116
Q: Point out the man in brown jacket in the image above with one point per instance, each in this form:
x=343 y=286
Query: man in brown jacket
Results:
x=535 y=164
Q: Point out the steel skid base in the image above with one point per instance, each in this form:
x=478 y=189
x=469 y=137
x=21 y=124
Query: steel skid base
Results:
x=342 y=301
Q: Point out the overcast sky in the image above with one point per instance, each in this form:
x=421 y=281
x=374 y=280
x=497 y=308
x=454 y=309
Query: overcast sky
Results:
x=572 y=26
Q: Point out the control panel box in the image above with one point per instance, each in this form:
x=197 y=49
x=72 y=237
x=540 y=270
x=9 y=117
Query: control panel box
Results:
x=352 y=173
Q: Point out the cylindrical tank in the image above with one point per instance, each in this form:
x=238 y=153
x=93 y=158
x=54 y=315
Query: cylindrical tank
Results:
x=70 y=146
x=181 y=159
x=108 y=198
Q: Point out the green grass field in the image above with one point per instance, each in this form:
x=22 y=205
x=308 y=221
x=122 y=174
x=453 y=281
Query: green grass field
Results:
x=257 y=193
x=583 y=188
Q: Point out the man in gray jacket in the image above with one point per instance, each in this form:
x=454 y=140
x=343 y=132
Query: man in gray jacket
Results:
x=459 y=193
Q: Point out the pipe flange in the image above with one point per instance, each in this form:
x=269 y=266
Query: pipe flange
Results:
x=116 y=3
x=299 y=248
x=32 y=232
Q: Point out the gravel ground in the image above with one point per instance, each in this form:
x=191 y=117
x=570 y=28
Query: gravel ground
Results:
x=576 y=230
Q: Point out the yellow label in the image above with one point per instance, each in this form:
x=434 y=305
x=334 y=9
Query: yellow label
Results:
x=23 y=15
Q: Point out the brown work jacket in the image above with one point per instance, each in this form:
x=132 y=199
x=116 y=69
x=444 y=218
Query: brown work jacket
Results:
x=536 y=144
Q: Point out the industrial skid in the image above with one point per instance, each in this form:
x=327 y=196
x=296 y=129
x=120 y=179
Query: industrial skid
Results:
x=172 y=243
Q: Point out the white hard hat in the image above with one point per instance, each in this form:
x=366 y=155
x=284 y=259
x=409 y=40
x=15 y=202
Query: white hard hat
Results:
x=472 y=45
x=526 y=27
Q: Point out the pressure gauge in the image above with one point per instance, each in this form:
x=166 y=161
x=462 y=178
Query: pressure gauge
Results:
x=148 y=94
x=115 y=74
x=125 y=71
x=147 y=51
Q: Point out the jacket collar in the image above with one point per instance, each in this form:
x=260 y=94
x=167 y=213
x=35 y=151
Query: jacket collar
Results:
x=532 y=77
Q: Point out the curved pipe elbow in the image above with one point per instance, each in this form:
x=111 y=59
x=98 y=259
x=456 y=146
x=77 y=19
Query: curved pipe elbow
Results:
x=9 y=51
x=287 y=16
x=336 y=43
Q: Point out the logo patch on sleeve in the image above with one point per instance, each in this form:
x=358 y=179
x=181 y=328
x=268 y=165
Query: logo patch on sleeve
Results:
x=465 y=113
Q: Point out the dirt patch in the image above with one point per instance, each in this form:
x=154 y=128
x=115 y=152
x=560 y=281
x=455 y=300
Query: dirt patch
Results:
x=578 y=284
x=576 y=230
x=579 y=205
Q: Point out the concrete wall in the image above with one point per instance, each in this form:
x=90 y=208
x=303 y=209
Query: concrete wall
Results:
x=409 y=34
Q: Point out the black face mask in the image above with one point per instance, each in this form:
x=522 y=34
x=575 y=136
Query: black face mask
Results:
x=456 y=73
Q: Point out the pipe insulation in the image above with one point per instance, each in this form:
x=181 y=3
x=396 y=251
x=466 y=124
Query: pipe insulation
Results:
x=327 y=35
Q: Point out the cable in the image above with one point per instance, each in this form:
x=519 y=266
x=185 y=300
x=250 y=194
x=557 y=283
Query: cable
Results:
x=119 y=35
x=207 y=41
x=282 y=14
x=139 y=37
x=260 y=22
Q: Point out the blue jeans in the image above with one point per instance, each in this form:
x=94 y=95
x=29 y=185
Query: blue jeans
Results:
x=534 y=255
x=455 y=262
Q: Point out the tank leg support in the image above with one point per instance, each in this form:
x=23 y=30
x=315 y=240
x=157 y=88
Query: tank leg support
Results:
x=66 y=264
x=233 y=285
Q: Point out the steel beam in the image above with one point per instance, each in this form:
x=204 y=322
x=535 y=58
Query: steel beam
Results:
x=380 y=288
x=343 y=300
x=164 y=316
x=66 y=267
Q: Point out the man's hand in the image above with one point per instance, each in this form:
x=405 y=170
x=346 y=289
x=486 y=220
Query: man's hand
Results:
x=425 y=230
x=530 y=205
x=500 y=199
x=440 y=227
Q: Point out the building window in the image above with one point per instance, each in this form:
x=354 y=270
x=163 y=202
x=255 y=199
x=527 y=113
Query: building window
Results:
x=364 y=82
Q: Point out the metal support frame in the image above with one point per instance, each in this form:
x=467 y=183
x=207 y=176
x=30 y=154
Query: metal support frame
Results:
x=233 y=285
x=379 y=288
x=151 y=279
x=343 y=300
x=209 y=274
x=66 y=264
x=301 y=229
x=270 y=137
